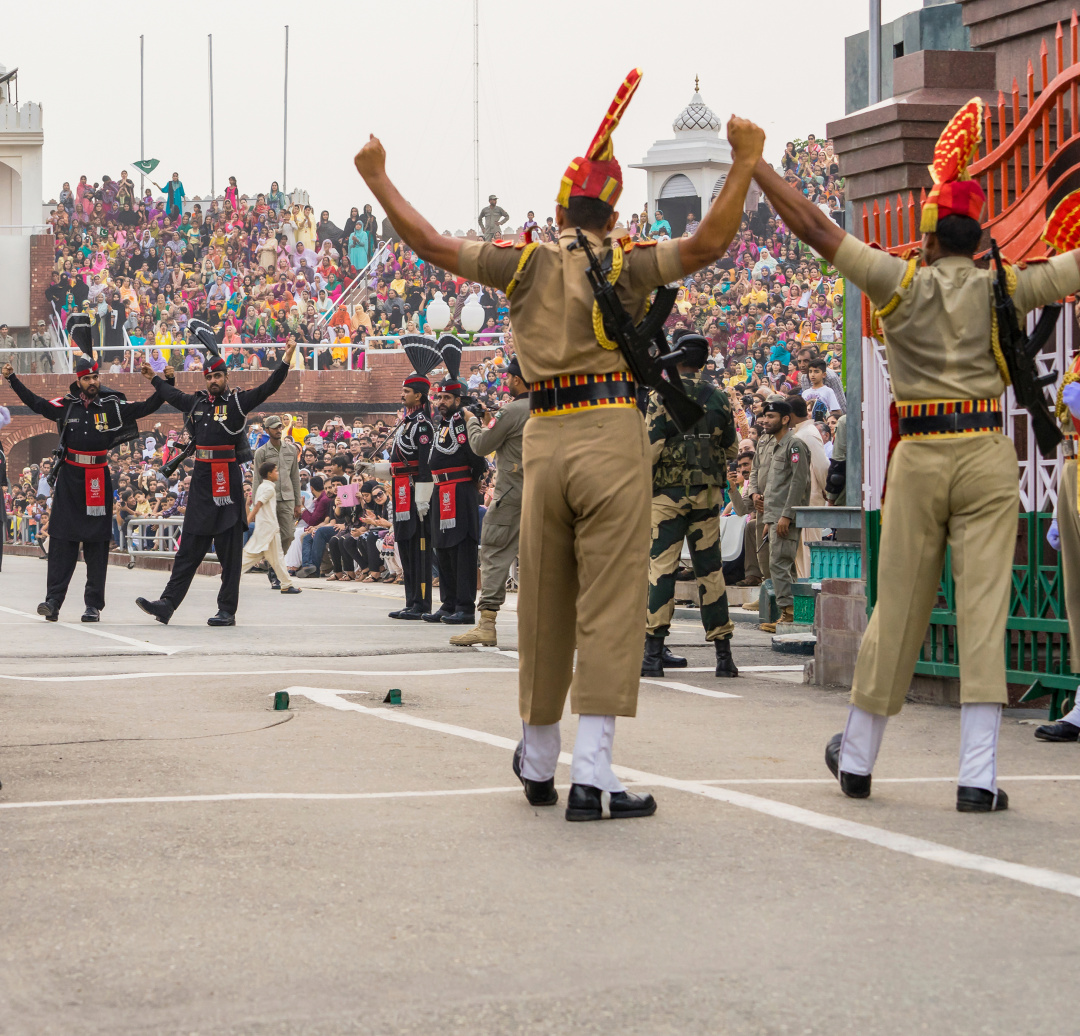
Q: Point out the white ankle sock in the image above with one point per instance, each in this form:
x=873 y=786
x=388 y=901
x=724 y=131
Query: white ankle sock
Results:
x=862 y=741
x=540 y=747
x=1074 y=715
x=592 y=754
x=979 y=725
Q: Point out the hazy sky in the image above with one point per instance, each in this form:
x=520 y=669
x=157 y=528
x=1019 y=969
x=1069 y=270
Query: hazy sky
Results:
x=548 y=71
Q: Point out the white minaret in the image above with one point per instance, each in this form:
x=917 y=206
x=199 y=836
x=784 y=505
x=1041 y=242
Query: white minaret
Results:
x=21 y=140
x=686 y=172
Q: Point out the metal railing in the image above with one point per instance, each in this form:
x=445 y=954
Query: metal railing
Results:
x=18 y=530
x=155 y=537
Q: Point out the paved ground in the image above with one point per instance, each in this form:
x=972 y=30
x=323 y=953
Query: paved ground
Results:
x=349 y=868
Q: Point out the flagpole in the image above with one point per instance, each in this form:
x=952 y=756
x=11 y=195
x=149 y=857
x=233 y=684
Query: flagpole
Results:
x=285 y=144
x=142 y=123
x=210 y=58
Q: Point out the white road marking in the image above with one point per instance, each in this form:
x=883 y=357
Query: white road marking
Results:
x=908 y=845
x=689 y=688
x=91 y=677
x=249 y=796
x=881 y=780
x=84 y=627
x=495 y=651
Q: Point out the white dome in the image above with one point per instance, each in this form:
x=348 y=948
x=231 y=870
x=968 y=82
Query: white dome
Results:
x=697 y=115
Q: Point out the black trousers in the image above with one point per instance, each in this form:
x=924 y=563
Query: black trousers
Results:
x=457 y=577
x=229 y=546
x=416 y=569
x=63 y=556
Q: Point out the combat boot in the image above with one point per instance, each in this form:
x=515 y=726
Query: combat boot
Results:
x=670 y=661
x=653 y=662
x=725 y=664
x=787 y=614
x=483 y=633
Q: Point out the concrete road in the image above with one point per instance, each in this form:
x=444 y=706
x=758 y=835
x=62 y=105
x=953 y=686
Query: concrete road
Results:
x=178 y=858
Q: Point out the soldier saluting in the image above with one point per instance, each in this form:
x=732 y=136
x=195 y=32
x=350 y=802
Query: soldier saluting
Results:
x=216 y=515
x=689 y=473
x=91 y=420
x=953 y=477
x=585 y=514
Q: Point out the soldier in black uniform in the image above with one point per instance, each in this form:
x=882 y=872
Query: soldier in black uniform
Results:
x=408 y=468
x=216 y=514
x=455 y=520
x=91 y=420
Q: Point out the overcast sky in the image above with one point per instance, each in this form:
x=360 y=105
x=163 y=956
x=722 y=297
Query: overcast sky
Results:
x=548 y=70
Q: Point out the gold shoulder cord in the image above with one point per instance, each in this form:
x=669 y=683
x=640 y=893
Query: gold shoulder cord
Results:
x=889 y=308
x=597 y=319
x=1061 y=411
x=995 y=344
x=525 y=254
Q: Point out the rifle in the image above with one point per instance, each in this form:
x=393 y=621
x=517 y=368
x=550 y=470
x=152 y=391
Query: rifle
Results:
x=1020 y=351
x=644 y=346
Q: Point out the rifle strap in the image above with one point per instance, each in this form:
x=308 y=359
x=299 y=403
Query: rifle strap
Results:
x=995 y=343
x=597 y=317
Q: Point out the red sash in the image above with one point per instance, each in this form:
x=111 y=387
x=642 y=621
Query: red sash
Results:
x=94 y=480
x=447 y=505
x=402 y=497
x=220 y=489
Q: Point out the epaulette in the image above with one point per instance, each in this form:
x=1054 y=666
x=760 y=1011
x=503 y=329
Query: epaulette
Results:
x=1025 y=263
x=911 y=253
x=503 y=244
x=642 y=244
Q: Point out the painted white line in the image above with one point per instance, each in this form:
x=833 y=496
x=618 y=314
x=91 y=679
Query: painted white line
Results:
x=92 y=677
x=881 y=780
x=908 y=845
x=689 y=688
x=495 y=651
x=251 y=796
x=83 y=627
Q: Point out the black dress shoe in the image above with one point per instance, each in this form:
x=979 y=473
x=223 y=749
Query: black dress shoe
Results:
x=406 y=613
x=50 y=609
x=161 y=610
x=539 y=793
x=652 y=663
x=671 y=661
x=853 y=785
x=725 y=664
x=1059 y=731
x=588 y=803
x=979 y=800
x=222 y=618
x=435 y=616
x=91 y=615
x=460 y=619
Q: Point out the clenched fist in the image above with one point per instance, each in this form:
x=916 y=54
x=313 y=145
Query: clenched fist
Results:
x=370 y=160
x=746 y=138
x=7 y=371
x=147 y=371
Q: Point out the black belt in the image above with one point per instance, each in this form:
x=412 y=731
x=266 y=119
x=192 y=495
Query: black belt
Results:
x=452 y=475
x=211 y=453
x=572 y=397
x=944 y=424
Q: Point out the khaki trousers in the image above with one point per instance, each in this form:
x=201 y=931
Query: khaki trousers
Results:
x=755 y=556
x=286 y=523
x=782 y=552
x=964 y=493
x=584 y=562
x=498 y=548
x=1069 y=529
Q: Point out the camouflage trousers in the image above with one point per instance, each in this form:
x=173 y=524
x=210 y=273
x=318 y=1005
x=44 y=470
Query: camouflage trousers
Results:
x=687 y=514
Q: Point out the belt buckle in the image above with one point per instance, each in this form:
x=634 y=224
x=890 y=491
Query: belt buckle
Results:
x=554 y=395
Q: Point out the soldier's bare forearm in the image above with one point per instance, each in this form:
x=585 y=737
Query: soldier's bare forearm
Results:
x=806 y=221
x=415 y=231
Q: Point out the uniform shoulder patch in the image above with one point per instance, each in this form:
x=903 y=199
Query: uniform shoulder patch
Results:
x=644 y=244
x=499 y=243
x=1025 y=263
x=57 y=402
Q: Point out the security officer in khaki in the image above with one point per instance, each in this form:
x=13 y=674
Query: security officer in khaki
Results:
x=952 y=479
x=286 y=454
x=585 y=512
x=755 y=542
x=502 y=521
x=788 y=487
x=689 y=473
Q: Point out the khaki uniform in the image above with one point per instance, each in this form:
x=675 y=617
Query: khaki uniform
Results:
x=585 y=510
x=755 y=542
x=788 y=487
x=502 y=521
x=819 y=473
x=957 y=490
x=288 y=486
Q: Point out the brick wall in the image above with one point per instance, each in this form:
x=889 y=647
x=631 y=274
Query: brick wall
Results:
x=42 y=256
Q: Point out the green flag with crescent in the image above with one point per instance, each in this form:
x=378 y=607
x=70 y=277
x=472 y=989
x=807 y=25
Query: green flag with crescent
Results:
x=147 y=166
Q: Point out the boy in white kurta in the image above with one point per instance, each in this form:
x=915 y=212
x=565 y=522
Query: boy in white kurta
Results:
x=265 y=541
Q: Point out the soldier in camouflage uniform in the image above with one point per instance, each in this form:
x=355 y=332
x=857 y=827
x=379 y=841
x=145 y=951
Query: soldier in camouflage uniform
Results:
x=689 y=473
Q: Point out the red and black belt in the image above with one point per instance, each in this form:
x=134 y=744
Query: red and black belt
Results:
x=452 y=475
x=93 y=463
x=219 y=458
x=446 y=480
x=582 y=392
x=948 y=417
x=404 y=467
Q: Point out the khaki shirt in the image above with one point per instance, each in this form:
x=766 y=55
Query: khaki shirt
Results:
x=789 y=479
x=503 y=439
x=937 y=340
x=551 y=307
x=759 y=470
x=288 y=462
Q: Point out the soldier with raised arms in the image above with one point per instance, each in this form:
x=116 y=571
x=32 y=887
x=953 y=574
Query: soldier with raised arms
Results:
x=953 y=476
x=584 y=548
x=91 y=420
